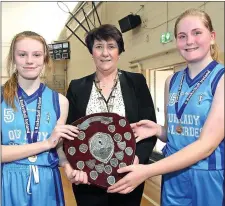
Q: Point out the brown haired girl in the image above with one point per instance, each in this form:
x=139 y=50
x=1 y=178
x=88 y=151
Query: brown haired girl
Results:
x=33 y=123
x=193 y=170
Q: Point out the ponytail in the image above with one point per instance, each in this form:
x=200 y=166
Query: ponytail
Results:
x=214 y=51
x=10 y=90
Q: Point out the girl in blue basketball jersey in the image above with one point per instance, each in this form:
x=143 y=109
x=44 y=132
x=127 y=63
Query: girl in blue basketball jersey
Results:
x=33 y=123
x=193 y=170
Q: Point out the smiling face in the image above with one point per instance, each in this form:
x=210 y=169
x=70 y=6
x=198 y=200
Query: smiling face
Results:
x=29 y=58
x=105 y=55
x=194 y=39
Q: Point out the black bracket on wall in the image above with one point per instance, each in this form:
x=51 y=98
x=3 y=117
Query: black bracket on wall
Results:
x=65 y=8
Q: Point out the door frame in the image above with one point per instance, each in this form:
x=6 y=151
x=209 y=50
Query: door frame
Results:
x=147 y=74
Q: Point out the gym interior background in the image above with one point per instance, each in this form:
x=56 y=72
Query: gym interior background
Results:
x=146 y=52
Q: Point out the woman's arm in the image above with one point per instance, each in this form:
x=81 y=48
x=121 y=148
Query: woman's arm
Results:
x=72 y=104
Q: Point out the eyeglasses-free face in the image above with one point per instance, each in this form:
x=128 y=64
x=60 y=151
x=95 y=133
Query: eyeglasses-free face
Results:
x=29 y=58
x=105 y=54
x=194 y=39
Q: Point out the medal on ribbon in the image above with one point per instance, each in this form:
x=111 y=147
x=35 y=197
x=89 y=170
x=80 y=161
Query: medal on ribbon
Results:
x=27 y=121
x=179 y=112
x=32 y=158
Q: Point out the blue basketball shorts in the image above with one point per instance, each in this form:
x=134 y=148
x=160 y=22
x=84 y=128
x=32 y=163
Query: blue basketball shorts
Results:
x=20 y=188
x=193 y=187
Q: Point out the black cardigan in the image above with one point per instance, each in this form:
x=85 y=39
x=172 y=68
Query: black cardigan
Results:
x=137 y=100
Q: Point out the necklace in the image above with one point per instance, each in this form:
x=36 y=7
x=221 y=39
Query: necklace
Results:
x=97 y=82
x=110 y=101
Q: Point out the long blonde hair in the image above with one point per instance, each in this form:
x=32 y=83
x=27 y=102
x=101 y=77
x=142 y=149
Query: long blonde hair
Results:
x=206 y=20
x=10 y=87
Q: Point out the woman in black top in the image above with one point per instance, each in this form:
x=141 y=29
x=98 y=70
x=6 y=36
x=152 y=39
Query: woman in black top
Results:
x=110 y=89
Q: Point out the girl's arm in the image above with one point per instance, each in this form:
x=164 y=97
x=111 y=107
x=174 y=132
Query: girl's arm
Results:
x=74 y=176
x=211 y=136
x=64 y=108
x=16 y=152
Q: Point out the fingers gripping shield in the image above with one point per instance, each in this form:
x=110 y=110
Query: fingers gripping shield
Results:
x=105 y=143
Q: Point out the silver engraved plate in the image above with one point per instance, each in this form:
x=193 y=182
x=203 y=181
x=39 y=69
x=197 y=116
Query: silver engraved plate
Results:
x=83 y=148
x=122 y=164
x=122 y=122
x=81 y=135
x=91 y=163
x=111 y=180
x=71 y=150
x=84 y=126
x=114 y=162
x=121 y=145
x=127 y=135
x=80 y=165
x=129 y=151
x=93 y=175
x=111 y=128
x=105 y=120
x=119 y=155
x=101 y=146
x=99 y=168
x=117 y=137
x=108 y=169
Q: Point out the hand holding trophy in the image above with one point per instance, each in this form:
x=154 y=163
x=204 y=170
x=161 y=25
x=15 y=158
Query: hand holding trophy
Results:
x=104 y=144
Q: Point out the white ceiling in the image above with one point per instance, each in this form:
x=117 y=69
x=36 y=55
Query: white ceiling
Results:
x=45 y=18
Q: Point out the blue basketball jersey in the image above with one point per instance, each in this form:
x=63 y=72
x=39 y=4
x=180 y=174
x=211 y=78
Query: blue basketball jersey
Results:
x=24 y=182
x=13 y=127
x=194 y=115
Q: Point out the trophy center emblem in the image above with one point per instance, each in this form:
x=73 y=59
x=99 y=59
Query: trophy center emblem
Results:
x=101 y=147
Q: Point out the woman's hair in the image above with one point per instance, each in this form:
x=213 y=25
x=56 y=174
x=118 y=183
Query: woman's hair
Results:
x=10 y=87
x=206 y=20
x=104 y=32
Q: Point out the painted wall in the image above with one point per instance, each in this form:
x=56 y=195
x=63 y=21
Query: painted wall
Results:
x=142 y=44
x=45 y=18
x=143 y=50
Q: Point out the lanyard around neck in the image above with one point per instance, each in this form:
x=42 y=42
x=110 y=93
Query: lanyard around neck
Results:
x=25 y=114
x=179 y=112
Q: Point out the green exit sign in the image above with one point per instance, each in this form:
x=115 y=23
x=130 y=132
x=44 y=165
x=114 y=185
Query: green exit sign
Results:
x=166 y=37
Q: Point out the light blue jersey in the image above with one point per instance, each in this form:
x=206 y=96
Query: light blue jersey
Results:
x=21 y=183
x=202 y=183
x=194 y=115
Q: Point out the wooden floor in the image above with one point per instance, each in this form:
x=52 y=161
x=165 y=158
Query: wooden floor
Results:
x=151 y=196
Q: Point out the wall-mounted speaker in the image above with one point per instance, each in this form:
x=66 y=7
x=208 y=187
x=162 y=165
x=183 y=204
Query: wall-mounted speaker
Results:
x=129 y=22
